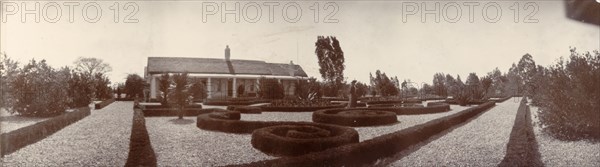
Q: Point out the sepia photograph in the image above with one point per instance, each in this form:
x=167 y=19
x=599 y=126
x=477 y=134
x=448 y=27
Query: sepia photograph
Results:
x=243 y=83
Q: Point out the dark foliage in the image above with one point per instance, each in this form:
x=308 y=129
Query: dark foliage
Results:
x=294 y=140
x=308 y=89
x=270 y=89
x=569 y=97
x=164 y=83
x=331 y=62
x=522 y=147
x=140 y=148
x=134 y=86
x=80 y=90
x=39 y=90
x=354 y=117
x=102 y=89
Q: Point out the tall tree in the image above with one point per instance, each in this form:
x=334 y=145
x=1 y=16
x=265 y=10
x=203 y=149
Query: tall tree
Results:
x=90 y=65
x=134 y=86
x=331 y=62
x=9 y=69
x=439 y=84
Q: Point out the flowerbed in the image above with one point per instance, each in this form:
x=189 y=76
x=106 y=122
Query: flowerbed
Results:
x=103 y=104
x=22 y=137
x=300 y=105
x=234 y=101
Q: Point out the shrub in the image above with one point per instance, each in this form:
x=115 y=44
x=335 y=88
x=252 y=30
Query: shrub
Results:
x=308 y=89
x=39 y=90
x=198 y=90
x=134 y=86
x=103 y=104
x=102 y=89
x=80 y=90
x=270 y=89
x=569 y=97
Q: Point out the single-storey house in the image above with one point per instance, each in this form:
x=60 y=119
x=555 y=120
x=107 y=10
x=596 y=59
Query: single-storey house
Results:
x=224 y=78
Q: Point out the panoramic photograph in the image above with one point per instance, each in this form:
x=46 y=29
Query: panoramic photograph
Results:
x=300 y=83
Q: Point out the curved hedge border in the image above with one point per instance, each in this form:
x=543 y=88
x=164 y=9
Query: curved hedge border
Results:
x=160 y=111
x=502 y=99
x=103 y=104
x=301 y=109
x=140 y=148
x=432 y=107
x=227 y=102
x=245 y=109
x=369 y=151
x=294 y=140
x=17 y=139
x=354 y=117
x=522 y=147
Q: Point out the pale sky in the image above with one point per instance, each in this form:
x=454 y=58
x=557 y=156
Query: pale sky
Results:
x=372 y=35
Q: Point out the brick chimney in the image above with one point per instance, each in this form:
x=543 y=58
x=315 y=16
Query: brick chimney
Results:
x=227 y=54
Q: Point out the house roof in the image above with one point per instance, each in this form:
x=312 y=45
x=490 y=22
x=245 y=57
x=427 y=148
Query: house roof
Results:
x=220 y=66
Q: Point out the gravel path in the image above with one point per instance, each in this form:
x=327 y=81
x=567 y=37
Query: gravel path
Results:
x=564 y=153
x=481 y=142
x=101 y=139
x=181 y=143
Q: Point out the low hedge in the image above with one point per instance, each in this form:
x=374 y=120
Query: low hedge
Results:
x=245 y=109
x=140 y=148
x=168 y=112
x=502 y=99
x=103 y=104
x=369 y=151
x=354 y=117
x=301 y=109
x=431 y=108
x=294 y=140
x=522 y=147
x=17 y=139
x=234 y=101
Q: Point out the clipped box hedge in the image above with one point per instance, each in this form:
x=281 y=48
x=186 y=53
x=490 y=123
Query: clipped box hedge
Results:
x=301 y=109
x=245 y=109
x=294 y=140
x=162 y=111
x=17 y=139
x=429 y=109
x=103 y=104
x=140 y=148
x=354 y=117
x=522 y=147
x=367 y=152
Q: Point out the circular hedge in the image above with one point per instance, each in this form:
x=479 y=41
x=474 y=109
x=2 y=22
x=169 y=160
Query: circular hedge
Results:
x=299 y=139
x=245 y=109
x=355 y=117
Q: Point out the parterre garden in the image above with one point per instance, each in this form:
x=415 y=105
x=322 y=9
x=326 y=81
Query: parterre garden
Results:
x=481 y=122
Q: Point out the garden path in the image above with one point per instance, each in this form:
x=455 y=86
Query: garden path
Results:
x=100 y=139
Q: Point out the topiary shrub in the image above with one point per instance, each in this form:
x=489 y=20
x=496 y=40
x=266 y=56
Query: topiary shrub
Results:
x=293 y=140
x=354 y=117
